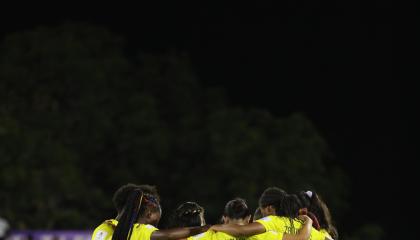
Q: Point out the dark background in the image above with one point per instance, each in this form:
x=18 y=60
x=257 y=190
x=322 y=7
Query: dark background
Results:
x=332 y=61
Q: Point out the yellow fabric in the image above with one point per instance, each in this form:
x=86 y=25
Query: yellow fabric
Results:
x=142 y=231
x=324 y=231
x=269 y=235
x=211 y=235
x=202 y=236
x=105 y=230
x=285 y=225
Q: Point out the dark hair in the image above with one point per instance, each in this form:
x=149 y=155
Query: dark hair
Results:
x=129 y=215
x=285 y=205
x=151 y=200
x=290 y=206
x=237 y=209
x=271 y=196
x=187 y=214
x=131 y=201
x=315 y=205
x=120 y=196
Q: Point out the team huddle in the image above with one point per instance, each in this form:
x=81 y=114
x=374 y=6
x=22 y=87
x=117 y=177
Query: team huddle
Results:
x=280 y=216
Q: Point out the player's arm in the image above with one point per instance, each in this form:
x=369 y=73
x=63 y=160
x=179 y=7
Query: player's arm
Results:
x=304 y=232
x=240 y=230
x=177 y=233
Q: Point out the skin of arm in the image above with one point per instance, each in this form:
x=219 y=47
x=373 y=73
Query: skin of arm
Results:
x=240 y=230
x=177 y=233
x=304 y=232
x=257 y=228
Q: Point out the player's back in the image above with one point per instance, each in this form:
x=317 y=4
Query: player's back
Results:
x=105 y=230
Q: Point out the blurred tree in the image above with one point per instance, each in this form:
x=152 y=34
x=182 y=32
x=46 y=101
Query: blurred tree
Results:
x=78 y=118
x=367 y=231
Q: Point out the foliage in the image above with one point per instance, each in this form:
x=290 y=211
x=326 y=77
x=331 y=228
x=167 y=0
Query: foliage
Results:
x=78 y=118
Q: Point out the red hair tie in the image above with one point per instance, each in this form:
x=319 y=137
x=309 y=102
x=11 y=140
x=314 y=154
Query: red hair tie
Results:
x=315 y=223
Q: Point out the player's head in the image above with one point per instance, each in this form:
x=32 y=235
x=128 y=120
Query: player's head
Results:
x=275 y=201
x=132 y=203
x=314 y=204
x=150 y=210
x=188 y=214
x=152 y=207
x=236 y=211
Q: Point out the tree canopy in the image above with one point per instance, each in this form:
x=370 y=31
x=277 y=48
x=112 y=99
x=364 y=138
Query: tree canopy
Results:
x=79 y=117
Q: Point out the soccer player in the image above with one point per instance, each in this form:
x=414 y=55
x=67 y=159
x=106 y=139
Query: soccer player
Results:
x=139 y=213
x=314 y=204
x=280 y=211
x=236 y=212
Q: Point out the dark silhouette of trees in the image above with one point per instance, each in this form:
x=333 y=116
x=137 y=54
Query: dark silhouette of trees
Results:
x=78 y=118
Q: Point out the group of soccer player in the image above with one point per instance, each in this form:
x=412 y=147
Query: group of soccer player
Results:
x=280 y=216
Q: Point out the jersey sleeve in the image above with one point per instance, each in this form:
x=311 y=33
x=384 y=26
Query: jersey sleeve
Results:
x=99 y=234
x=103 y=232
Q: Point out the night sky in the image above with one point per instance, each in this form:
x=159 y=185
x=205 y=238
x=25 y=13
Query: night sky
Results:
x=332 y=61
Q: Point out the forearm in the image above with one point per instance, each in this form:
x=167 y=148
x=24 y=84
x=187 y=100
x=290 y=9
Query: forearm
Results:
x=231 y=229
x=177 y=233
x=240 y=230
x=305 y=232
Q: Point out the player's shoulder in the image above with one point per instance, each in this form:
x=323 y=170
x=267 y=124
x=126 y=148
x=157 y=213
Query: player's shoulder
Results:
x=265 y=219
x=202 y=236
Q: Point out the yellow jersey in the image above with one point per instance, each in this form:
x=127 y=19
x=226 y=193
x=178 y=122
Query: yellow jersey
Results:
x=211 y=235
x=287 y=225
x=142 y=231
x=202 y=236
x=269 y=235
x=106 y=229
x=324 y=231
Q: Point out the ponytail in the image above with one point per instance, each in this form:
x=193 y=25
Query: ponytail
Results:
x=129 y=216
x=318 y=207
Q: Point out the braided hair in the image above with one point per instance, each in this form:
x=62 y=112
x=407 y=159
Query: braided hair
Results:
x=131 y=202
x=129 y=215
x=188 y=214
